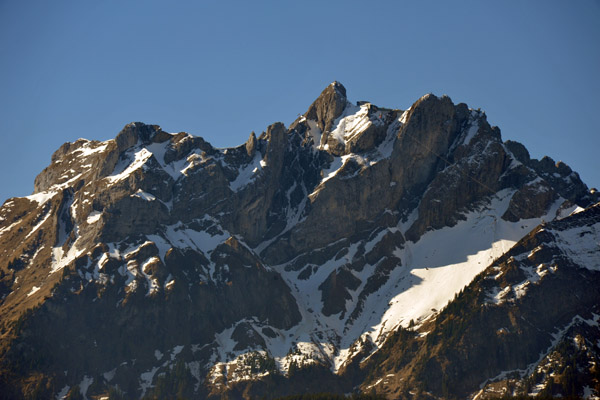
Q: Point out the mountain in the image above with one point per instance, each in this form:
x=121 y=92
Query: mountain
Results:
x=409 y=253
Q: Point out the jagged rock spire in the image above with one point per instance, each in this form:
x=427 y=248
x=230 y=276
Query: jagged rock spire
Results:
x=328 y=106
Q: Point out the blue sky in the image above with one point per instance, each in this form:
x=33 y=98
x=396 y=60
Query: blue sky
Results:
x=220 y=70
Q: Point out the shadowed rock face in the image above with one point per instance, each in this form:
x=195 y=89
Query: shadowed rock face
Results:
x=155 y=247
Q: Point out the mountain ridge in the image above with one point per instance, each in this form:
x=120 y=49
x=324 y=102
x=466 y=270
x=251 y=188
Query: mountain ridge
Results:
x=305 y=246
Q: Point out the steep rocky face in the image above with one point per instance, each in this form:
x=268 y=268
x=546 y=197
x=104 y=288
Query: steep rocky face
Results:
x=305 y=247
x=327 y=108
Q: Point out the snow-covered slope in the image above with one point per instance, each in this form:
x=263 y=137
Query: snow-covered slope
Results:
x=526 y=326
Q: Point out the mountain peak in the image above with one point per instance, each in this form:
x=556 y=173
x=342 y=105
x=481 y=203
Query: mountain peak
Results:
x=328 y=106
x=139 y=131
x=337 y=86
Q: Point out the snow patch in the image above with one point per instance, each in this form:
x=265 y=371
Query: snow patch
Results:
x=589 y=393
x=61 y=260
x=8 y=228
x=144 y=195
x=175 y=352
x=175 y=169
x=471 y=132
x=39 y=224
x=84 y=385
x=42 y=197
x=182 y=237
x=146 y=380
x=90 y=148
x=247 y=173
x=333 y=169
x=109 y=375
x=162 y=245
x=33 y=290
x=63 y=393
x=94 y=217
x=315 y=132
x=581 y=244
x=125 y=168
x=353 y=121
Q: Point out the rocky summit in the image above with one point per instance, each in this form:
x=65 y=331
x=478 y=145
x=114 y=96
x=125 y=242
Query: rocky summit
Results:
x=395 y=253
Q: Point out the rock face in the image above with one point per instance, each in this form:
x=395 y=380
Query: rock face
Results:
x=327 y=108
x=154 y=260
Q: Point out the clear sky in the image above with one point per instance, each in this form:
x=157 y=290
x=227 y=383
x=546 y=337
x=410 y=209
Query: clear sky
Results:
x=221 y=69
